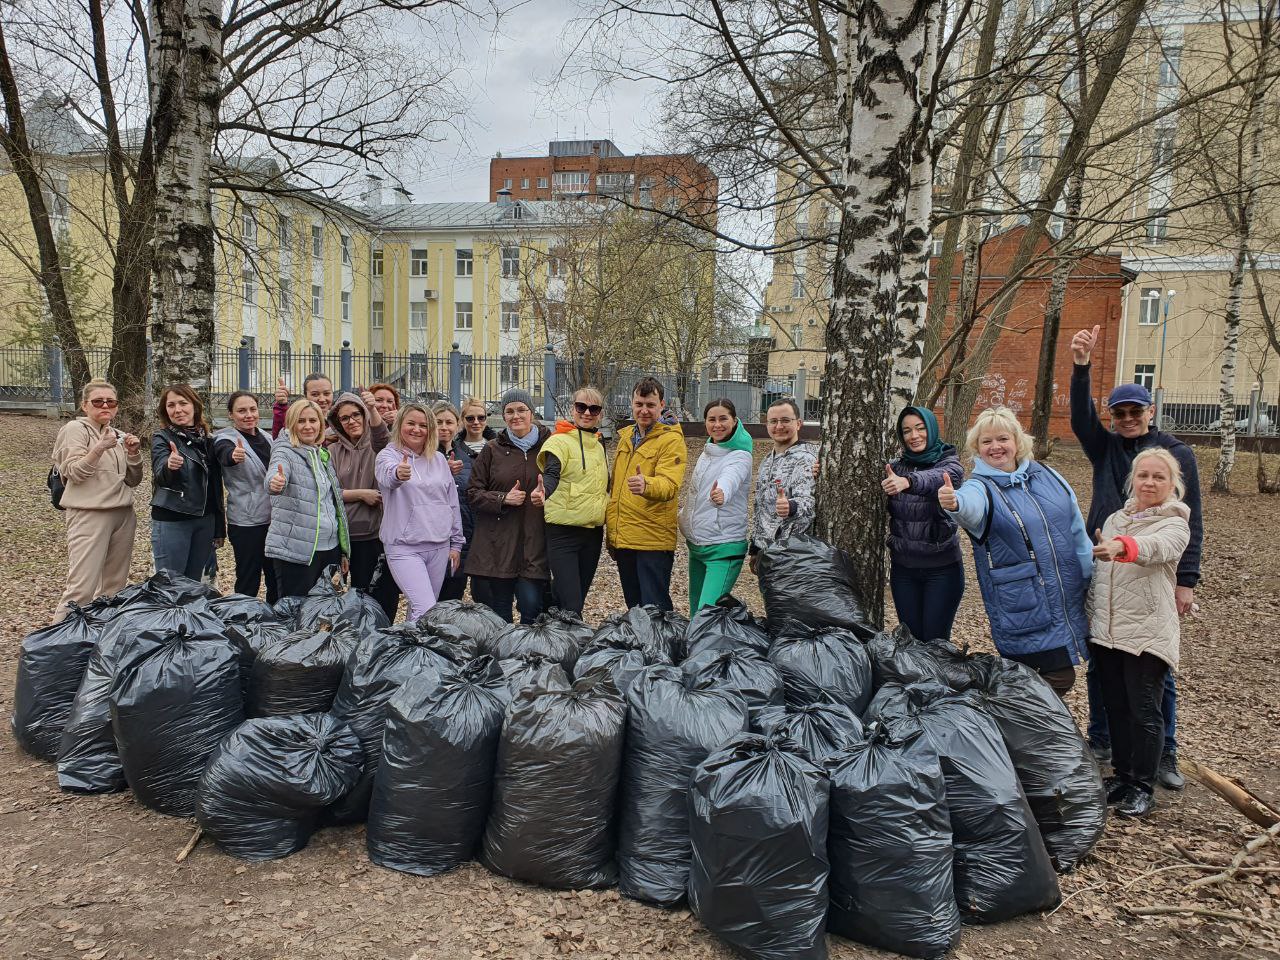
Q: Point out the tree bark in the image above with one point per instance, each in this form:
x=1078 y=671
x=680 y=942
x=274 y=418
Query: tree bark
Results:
x=186 y=60
x=882 y=47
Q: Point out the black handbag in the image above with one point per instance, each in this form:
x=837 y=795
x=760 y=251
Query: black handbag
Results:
x=56 y=488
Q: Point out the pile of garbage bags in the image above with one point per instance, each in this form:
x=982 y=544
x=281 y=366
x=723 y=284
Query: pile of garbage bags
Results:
x=787 y=776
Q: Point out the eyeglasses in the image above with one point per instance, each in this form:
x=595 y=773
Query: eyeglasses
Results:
x=350 y=417
x=476 y=418
x=104 y=403
x=591 y=408
x=782 y=423
x=1128 y=413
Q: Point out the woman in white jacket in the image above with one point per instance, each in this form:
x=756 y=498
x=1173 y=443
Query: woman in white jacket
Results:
x=1134 y=622
x=713 y=518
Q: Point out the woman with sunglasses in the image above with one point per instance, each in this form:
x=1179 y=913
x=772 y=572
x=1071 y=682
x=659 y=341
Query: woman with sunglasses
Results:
x=100 y=466
x=452 y=446
x=187 y=519
x=573 y=490
x=476 y=431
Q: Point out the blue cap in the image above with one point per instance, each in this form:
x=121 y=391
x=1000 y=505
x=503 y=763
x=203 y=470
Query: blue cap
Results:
x=1130 y=393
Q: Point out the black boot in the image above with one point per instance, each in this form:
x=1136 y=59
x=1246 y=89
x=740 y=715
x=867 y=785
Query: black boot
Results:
x=1137 y=804
x=1117 y=788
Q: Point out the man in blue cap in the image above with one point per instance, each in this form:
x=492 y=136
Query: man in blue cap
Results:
x=1111 y=452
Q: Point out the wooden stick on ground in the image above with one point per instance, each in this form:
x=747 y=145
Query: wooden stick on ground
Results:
x=1165 y=909
x=191 y=845
x=1253 y=846
x=1248 y=803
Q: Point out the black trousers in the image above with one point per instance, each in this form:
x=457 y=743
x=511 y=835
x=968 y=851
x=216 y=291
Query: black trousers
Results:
x=498 y=593
x=1132 y=688
x=365 y=557
x=248 y=544
x=926 y=598
x=646 y=577
x=297 y=579
x=573 y=553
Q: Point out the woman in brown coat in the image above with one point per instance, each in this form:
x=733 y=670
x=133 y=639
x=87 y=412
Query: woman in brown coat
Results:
x=508 y=557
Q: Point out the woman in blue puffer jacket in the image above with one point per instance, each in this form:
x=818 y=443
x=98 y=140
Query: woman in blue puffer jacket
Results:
x=926 y=573
x=1030 y=550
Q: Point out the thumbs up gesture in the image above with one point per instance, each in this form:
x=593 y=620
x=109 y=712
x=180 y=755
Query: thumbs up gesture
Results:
x=717 y=495
x=282 y=392
x=1083 y=344
x=237 y=455
x=176 y=460
x=455 y=465
x=403 y=470
x=538 y=495
x=947 y=494
x=515 y=496
x=782 y=506
x=636 y=483
x=892 y=484
x=277 y=482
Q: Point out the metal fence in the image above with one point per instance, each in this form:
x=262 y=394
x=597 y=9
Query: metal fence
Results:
x=1201 y=413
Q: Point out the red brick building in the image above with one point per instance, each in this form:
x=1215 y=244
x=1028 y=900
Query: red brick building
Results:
x=597 y=168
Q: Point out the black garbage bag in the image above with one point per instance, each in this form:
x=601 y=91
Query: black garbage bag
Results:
x=728 y=625
x=622 y=664
x=170 y=708
x=758 y=824
x=553 y=819
x=532 y=670
x=672 y=628
x=51 y=665
x=555 y=634
x=739 y=669
x=1002 y=869
x=381 y=663
x=671 y=728
x=265 y=786
x=636 y=629
x=809 y=583
x=301 y=671
x=473 y=620
x=820 y=728
x=237 y=608
x=435 y=781
x=1054 y=763
x=288 y=609
x=325 y=605
x=88 y=760
x=890 y=846
x=173 y=587
x=828 y=663
x=898 y=657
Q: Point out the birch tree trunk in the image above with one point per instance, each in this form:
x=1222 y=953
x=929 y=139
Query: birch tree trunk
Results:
x=882 y=47
x=186 y=60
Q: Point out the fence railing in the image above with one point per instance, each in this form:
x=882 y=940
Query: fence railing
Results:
x=37 y=378
x=1201 y=413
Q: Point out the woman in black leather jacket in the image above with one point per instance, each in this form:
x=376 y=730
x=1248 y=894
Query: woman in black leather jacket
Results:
x=187 y=520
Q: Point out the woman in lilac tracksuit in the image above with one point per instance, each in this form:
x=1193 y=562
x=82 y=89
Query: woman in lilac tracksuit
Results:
x=421 y=522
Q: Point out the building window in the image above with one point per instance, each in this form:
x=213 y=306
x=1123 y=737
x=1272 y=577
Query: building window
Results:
x=935 y=246
x=286 y=357
x=346 y=307
x=797 y=335
x=571 y=181
x=1149 y=307
x=317 y=300
x=506 y=184
x=511 y=261
x=317 y=357
x=726 y=371
x=510 y=370
x=375 y=262
x=524 y=183
x=797 y=285
x=1001 y=151
x=375 y=315
x=417 y=367
x=418 y=315
x=465 y=262
x=1030 y=159
x=317 y=242
x=249 y=287
x=345 y=241
x=1170 y=66
x=466 y=366
x=510 y=321
x=1157 y=225
x=556 y=267
x=1162 y=149
x=379 y=365
x=542 y=183
x=1063 y=137
x=249 y=228
x=418 y=262
x=462 y=315
x=286 y=294
x=284 y=232
x=1144 y=375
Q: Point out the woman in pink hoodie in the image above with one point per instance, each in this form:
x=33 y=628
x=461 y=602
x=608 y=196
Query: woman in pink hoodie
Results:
x=421 y=522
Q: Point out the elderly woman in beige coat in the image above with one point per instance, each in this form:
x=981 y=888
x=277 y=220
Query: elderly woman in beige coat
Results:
x=1134 y=621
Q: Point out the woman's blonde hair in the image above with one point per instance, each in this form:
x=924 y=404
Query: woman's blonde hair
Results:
x=590 y=393
x=1169 y=460
x=470 y=402
x=408 y=408
x=97 y=383
x=291 y=420
x=999 y=418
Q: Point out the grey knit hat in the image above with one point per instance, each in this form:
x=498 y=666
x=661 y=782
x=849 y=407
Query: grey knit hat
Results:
x=517 y=395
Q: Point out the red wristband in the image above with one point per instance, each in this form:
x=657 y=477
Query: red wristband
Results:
x=1130 y=550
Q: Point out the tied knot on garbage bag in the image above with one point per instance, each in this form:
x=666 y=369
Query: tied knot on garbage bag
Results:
x=807 y=583
x=301 y=671
x=820 y=729
x=325 y=603
x=740 y=670
x=824 y=664
x=727 y=625
x=473 y=620
x=557 y=635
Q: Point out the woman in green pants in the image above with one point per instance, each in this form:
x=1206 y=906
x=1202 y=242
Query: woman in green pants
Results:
x=713 y=518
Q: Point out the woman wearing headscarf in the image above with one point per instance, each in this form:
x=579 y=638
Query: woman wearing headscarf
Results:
x=926 y=573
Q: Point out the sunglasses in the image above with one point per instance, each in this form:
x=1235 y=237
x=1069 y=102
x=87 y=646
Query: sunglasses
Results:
x=1128 y=413
x=103 y=403
x=474 y=418
x=591 y=408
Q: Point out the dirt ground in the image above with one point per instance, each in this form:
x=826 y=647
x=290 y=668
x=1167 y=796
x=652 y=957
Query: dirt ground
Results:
x=96 y=877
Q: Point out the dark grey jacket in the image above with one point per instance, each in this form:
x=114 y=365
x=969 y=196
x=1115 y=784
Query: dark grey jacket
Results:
x=248 y=503
x=295 y=511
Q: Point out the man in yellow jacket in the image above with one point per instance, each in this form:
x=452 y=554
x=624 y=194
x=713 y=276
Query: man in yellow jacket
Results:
x=643 y=499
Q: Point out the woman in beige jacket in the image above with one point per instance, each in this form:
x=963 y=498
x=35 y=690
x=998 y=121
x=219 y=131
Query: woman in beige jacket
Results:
x=1134 y=622
x=100 y=466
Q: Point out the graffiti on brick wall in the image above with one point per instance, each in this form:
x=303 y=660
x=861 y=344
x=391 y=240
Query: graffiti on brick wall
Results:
x=1018 y=396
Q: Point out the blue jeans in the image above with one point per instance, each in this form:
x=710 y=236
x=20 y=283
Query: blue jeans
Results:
x=182 y=546
x=646 y=577
x=927 y=598
x=1100 y=735
x=498 y=593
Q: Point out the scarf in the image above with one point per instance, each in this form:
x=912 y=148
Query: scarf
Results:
x=527 y=442
x=935 y=448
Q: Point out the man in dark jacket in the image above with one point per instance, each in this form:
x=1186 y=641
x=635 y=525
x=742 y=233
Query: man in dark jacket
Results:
x=1111 y=453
